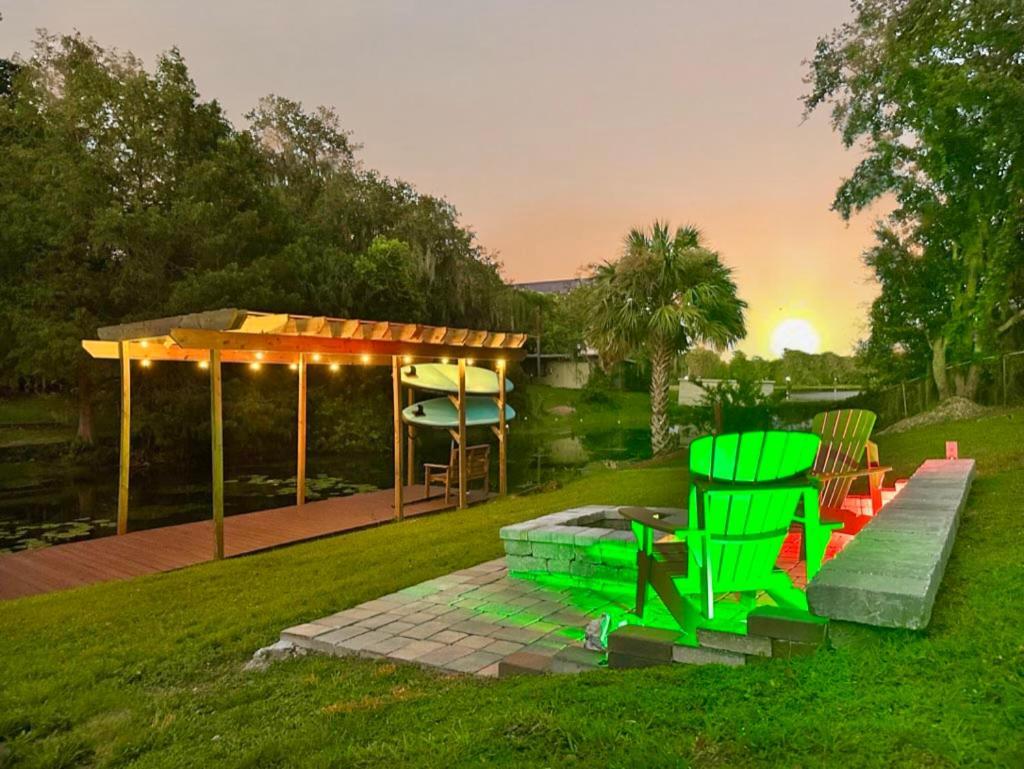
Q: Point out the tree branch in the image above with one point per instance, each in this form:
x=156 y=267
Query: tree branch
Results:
x=1013 y=321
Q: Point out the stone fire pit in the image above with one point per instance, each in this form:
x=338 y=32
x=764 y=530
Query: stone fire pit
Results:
x=592 y=543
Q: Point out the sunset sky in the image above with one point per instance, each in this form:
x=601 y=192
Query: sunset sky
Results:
x=553 y=126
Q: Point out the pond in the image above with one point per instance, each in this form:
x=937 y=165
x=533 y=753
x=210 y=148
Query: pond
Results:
x=43 y=504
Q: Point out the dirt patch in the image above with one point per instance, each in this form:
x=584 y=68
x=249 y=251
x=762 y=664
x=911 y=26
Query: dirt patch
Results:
x=561 y=411
x=950 y=410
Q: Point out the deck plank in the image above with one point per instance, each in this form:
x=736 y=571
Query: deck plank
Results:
x=148 y=551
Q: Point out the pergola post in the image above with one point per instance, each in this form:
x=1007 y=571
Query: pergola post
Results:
x=217 y=450
x=410 y=445
x=396 y=391
x=462 y=433
x=502 y=431
x=126 y=437
x=300 y=464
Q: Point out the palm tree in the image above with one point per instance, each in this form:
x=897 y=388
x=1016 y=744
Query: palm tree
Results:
x=665 y=293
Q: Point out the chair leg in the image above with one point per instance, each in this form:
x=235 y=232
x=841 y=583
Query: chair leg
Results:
x=816 y=534
x=875 y=488
x=643 y=578
x=785 y=593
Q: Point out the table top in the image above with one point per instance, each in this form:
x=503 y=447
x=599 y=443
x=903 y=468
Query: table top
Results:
x=664 y=519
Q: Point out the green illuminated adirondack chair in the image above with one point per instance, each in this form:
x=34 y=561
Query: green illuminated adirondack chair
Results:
x=744 y=495
x=845 y=443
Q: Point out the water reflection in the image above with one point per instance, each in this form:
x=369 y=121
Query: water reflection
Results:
x=45 y=507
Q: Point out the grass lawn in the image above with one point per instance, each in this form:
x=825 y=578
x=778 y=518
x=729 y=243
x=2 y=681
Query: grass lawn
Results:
x=148 y=673
x=621 y=409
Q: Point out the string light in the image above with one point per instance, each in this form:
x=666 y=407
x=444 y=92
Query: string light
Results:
x=501 y=363
x=293 y=366
x=469 y=361
x=444 y=360
x=259 y=356
x=144 y=343
x=407 y=359
x=335 y=367
x=364 y=358
x=316 y=357
x=145 y=363
x=255 y=366
x=204 y=364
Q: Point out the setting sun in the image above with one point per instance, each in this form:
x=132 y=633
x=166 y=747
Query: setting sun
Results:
x=795 y=334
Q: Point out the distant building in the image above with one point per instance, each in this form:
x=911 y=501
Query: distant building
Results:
x=562 y=286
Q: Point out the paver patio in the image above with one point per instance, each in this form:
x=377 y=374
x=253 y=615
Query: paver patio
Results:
x=465 y=622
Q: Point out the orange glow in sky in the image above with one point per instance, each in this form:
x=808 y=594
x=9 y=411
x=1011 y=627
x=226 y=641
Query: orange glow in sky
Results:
x=554 y=127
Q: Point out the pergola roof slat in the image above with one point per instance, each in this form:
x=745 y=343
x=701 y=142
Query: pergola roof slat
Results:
x=279 y=338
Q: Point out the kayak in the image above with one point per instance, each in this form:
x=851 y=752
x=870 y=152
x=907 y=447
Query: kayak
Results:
x=441 y=412
x=444 y=378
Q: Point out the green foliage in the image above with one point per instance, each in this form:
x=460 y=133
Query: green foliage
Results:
x=742 y=407
x=564 y=320
x=148 y=672
x=598 y=389
x=701 y=363
x=933 y=90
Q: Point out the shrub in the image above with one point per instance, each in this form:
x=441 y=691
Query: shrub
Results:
x=738 y=406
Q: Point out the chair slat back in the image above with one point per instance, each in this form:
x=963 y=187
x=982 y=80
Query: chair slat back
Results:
x=746 y=525
x=478 y=462
x=844 y=436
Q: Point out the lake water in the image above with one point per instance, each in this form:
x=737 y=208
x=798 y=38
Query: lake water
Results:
x=41 y=505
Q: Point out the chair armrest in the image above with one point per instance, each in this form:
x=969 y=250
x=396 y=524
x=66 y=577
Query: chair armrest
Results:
x=669 y=524
x=858 y=473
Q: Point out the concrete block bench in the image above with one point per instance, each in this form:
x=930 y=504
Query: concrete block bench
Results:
x=889 y=574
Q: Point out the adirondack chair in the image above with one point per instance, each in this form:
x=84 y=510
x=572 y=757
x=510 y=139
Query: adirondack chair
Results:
x=845 y=445
x=478 y=467
x=745 y=489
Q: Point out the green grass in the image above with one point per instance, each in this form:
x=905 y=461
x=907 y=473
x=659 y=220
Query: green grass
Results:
x=618 y=409
x=147 y=673
x=36 y=420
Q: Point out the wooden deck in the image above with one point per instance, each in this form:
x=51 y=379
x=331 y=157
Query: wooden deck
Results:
x=30 y=572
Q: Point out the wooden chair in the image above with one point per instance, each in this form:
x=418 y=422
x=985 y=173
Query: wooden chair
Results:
x=845 y=444
x=478 y=467
x=745 y=491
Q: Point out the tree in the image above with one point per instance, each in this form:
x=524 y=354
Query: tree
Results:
x=933 y=91
x=666 y=292
x=702 y=363
x=96 y=150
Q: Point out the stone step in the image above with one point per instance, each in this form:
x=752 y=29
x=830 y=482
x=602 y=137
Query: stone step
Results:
x=890 y=574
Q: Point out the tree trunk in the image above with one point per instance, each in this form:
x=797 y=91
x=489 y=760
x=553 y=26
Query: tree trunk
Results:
x=661 y=366
x=85 y=433
x=938 y=346
x=967 y=383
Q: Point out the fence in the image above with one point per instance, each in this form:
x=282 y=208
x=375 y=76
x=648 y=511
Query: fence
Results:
x=1001 y=383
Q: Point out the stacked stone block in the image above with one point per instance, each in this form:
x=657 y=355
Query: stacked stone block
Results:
x=890 y=573
x=771 y=632
x=573 y=544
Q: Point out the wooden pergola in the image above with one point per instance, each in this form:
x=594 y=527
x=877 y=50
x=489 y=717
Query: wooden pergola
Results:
x=209 y=339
